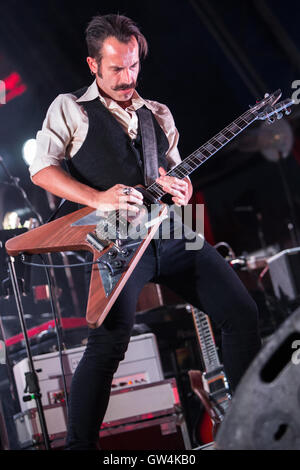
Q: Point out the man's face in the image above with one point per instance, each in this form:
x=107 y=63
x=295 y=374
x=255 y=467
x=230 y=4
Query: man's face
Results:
x=117 y=73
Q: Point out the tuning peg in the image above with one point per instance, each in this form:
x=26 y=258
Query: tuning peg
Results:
x=288 y=111
x=266 y=95
x=270 y=120
x=279 y=115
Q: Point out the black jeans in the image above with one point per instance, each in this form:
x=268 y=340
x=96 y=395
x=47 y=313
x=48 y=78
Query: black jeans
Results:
x=204 y=279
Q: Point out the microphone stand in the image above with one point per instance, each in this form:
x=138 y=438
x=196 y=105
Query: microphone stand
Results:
x=32 y=383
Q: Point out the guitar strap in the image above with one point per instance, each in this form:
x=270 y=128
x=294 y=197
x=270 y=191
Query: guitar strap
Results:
x=149 y=144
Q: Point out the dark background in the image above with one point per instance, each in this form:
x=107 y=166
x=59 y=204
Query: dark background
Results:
x=208 y=61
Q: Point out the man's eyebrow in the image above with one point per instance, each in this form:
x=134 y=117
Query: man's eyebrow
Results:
x=120 y=68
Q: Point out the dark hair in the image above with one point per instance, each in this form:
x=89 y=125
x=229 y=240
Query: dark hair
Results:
x=118 y=26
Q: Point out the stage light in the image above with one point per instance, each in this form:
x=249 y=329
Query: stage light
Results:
x=29 y=149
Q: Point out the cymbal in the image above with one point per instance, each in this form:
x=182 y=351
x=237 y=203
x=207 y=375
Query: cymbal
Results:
x=272 y=142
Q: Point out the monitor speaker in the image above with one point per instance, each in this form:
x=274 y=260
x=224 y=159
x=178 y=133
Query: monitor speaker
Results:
x=264 y=413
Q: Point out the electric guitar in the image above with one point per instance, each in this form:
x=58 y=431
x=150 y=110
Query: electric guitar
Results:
x=210 y=386
x=117 y=243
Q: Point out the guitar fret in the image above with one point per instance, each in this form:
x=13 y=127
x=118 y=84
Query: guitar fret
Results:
x=206 y=339
x=201 y=157
x=207 y=336
x=206 y=331
x=156 y=190
x=187 y=166
x=228 y=133
x=243 y=120
x=215 y=143
x=192 y=161
x=179 y=171
x=205 y=152
x=248 y=117
x=221 y=138
x=234 y=127
x=210 y=148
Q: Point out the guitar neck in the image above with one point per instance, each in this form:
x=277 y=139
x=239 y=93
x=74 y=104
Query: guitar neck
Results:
x=203 y=153
x=206 y=340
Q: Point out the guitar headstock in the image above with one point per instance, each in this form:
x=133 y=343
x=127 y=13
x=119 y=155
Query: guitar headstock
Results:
x=271 y=113
x=268 y=100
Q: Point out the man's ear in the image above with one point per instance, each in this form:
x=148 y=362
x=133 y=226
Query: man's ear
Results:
x=92 y=63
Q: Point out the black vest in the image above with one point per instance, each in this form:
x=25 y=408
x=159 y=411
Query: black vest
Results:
x=108 y=156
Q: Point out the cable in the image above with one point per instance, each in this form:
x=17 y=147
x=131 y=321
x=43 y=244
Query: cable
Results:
x=62 y=266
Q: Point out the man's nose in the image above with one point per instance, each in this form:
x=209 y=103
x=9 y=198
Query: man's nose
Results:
x=126 y=76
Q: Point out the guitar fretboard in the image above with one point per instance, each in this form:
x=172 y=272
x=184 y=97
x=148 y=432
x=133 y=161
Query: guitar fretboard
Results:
x=203 y=153
x=207 y=343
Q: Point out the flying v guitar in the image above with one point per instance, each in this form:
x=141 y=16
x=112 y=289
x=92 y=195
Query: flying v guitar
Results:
x=115 y=255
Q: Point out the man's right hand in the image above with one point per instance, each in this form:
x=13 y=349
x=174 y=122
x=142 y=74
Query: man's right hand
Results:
x=115 y=198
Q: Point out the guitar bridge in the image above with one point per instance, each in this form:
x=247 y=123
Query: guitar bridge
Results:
x=115 y=262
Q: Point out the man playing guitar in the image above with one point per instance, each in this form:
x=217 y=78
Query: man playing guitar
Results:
x=98 y=131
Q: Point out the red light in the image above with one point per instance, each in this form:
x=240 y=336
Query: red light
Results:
x=13 y=87
x=41 y=292
x=176 y=395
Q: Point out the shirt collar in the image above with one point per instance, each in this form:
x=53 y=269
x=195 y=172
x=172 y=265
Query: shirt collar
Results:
x=93 y=92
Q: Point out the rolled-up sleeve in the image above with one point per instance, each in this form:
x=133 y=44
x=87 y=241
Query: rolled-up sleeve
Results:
x=54 y=137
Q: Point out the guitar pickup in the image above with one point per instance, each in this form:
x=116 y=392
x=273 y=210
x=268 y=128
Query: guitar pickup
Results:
x=96 y=242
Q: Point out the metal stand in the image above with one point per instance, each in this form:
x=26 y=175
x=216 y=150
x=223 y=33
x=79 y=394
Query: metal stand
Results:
x=32 y=384
x=292 y=224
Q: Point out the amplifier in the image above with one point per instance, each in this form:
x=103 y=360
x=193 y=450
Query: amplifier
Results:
x=143 y=402
x=141 y=365
x=284 y=270
x=142 y=417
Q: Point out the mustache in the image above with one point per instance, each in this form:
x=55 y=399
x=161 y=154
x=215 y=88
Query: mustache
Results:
x=125 y=86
